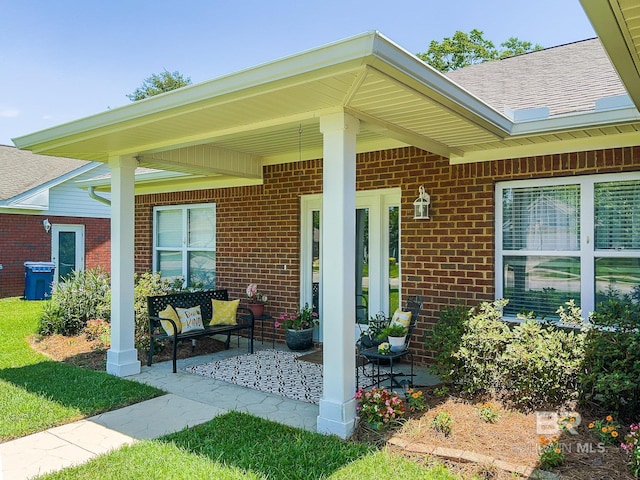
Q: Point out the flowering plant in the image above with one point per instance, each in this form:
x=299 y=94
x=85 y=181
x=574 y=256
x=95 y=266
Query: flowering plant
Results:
x=379 y=406
x=631 y=445
x=301 y=320
x=551 y=454
x=606 y=429
x=254 y=295
x=384 y=348
x=416 y=400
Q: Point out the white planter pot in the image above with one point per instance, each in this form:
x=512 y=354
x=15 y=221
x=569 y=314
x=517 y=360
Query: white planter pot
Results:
x=397 y=343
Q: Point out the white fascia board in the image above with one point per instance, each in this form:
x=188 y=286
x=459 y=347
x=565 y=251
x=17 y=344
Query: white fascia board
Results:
x=576 y=121
x=105 y=180
x=456 y=97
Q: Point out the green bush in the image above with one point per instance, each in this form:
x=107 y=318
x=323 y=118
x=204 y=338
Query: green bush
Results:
x=83 y=296
x=444 y=339
x=611 y=375
x=148 y=285
x=531 y=364
x=481 y=349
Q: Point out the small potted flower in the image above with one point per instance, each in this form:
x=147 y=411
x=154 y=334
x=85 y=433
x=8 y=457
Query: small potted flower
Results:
x=396 y=334
x=299 y=327
x=256 y=300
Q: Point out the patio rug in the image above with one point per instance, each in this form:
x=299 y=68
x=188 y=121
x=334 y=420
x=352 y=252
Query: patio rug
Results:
x=273 y=371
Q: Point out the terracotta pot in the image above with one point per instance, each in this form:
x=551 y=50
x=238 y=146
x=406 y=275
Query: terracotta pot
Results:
x=257 y=309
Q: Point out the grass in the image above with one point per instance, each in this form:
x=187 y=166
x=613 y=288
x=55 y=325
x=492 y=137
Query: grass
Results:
x=37 y=393
x=238 y=445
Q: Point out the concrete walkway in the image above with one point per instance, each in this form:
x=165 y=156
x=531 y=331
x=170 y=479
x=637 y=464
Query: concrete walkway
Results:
x=190 y=400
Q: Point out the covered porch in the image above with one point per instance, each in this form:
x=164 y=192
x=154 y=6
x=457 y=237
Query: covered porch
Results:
x=311 y=123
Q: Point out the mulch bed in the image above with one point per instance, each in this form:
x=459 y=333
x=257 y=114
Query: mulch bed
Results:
x=495 y=450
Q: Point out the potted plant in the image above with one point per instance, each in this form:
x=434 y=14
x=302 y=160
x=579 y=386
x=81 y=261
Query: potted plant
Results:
x=256 y=300
x=370 y=336
x=299 y=327
x=396 y=334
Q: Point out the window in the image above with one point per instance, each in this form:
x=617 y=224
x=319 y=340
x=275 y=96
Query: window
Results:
x=562 y=239
x=184 y=243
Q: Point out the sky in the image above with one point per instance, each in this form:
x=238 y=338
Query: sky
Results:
x=67 y=59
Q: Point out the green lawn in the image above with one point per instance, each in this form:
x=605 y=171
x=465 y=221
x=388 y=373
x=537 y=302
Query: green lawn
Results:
x=237 y=445
x=37 y=393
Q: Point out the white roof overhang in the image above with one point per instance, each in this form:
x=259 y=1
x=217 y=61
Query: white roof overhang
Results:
x=226 y=129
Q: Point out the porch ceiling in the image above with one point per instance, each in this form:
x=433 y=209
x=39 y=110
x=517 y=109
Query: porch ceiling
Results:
x=270 y=114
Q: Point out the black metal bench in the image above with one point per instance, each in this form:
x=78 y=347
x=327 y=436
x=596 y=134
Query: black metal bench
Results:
x=156 y=304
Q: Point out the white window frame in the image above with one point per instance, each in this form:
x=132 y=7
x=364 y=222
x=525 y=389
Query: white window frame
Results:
x=586 y=252
x=184 y=248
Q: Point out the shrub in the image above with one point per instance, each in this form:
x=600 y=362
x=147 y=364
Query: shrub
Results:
x=84 y=295
x=444 y=340
x=148 y=285
x=442 y=423
x=541 y=363
x=532 y=364
x=100 y=330
x=481 y=348
x=611 y=375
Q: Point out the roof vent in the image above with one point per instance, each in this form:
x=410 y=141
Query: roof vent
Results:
x=527 y=114
x=614 y=102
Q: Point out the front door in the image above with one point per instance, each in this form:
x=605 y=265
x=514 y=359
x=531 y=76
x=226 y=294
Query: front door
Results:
x=377 y=249
x=67 y=249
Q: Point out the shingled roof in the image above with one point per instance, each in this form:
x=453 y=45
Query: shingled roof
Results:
x=566 y=79
x=22 y=170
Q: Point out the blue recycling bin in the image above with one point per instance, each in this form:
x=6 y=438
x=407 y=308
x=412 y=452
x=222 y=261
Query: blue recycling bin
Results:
x=38 y=278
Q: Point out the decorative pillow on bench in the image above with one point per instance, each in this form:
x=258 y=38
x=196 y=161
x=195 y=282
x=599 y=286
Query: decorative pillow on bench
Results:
x=224 y=312
x=170 y=312
x=190 y=318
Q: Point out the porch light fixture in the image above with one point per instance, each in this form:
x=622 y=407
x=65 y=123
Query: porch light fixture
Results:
x=46 y=224
x=421 y=205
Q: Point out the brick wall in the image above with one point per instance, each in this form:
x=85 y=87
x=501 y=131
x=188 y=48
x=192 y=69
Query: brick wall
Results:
x=23 y=239
x=446 y=259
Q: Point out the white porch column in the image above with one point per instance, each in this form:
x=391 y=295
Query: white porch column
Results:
x=122 y=357
x=337 y=405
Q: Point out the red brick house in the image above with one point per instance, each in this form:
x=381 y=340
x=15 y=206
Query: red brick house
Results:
x=532 y=165
x=46 y=217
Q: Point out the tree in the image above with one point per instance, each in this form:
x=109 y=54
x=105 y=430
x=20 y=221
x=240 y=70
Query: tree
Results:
x=159 y=83
x=464 y=49
x=514 y=46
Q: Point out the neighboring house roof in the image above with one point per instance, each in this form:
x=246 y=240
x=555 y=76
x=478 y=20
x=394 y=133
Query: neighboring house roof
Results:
x=26 y=179
x=567 y=79
x=21 y=170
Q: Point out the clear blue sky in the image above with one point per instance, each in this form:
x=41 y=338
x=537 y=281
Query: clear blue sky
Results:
x=61 y=60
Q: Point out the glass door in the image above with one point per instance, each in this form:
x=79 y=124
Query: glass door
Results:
x=67 y=250
x=377 y=253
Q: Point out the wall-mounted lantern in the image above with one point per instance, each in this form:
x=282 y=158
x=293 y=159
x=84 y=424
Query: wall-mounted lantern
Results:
x=421 y=205
x=46 y=224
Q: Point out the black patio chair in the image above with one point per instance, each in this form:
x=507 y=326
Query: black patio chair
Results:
x=371 y=356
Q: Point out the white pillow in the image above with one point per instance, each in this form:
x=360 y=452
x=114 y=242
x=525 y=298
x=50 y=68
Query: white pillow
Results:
x=190 y=319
